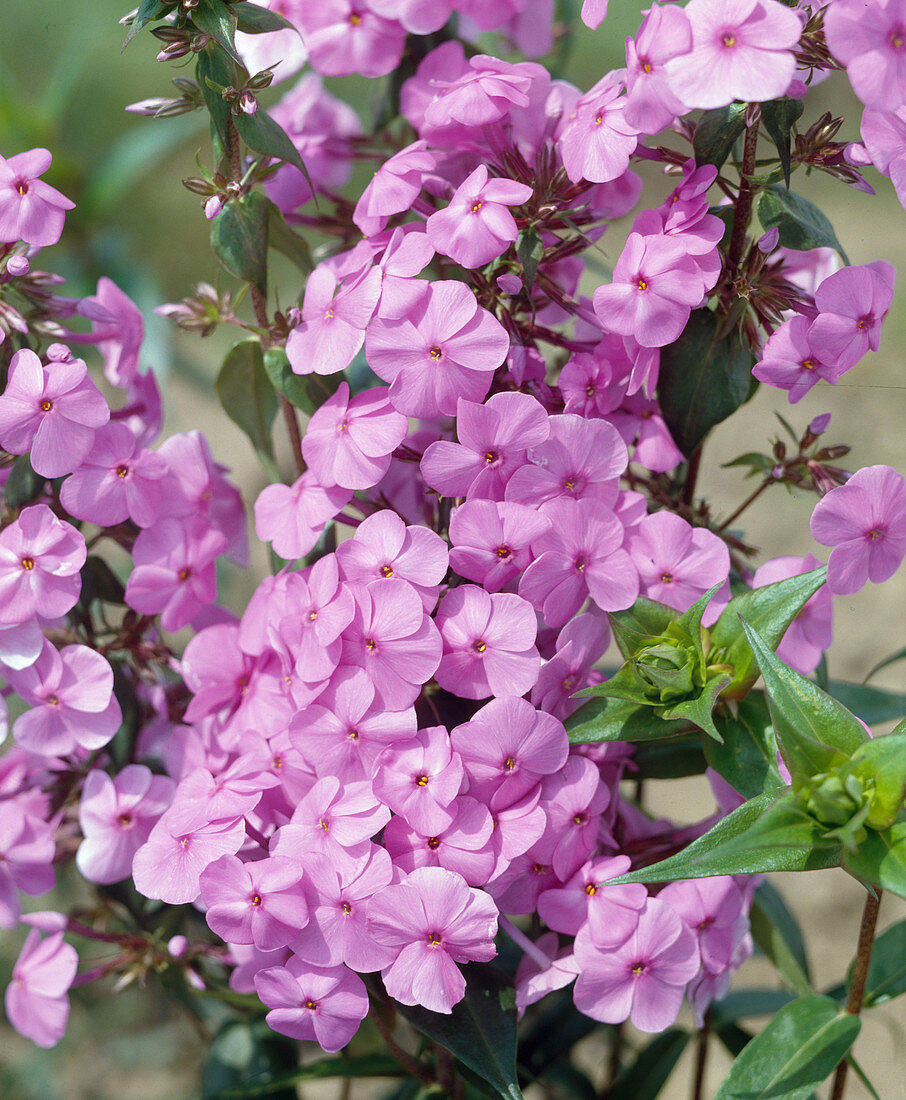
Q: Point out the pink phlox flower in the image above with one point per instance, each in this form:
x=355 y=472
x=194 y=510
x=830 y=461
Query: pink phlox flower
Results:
x=640 y=423
x=333 y=820
x=486 y=92
x=417 y=16
x=30 y=209
x=865 y=523
x=463 y=847
x=811 y=632
x=231 y=792
x=520 y=882
x=72 y=705
x=489 y=643
x=582 y=555
x=594 y=12
x=517 y=828
x=168 y=865
x=394 y=187
x=492 y=541
x=852 y=303
x=574 y=799
x=116 y=816
x=324 y=1005
x=175 y=572
x=393 y=640
x=295 y=778
x=338 y=899
x=868 y=38
x=142 y=412
x=116 y=481
x=346 y=36
x=40 y=560
x=651 y=105
x=677 y=563
x=261 y=903
x=433 y=920
x=476 y=226
x=714 y=910
x=444 y=64
x=419 y=779
x=335 y=314
x=493 y=440
x=27 y=850
x=119 y=335
x=580 y=644
x=594 y=383
x=52 y=411
x=582 y=460
x=597 y=142
x=320 y=126
x=656 y=283
x=20 y=645
x=565 y=908
x=292 y=517
x=741 y=49
x=789 y=363
x=446 y=349
x=284 y=49
x=247 y=961
x=344 y=732
x=349 y=441
x=884 y=135
x=36 y=1001
x=534 y=981
x=642 y=980
x=507 y=747
x=383 y=547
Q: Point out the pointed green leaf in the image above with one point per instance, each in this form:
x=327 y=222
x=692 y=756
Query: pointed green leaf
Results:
x=770 y=610
x=625 y=684
x=253 y=19
x=146 y=11
x=673 y=758
x=481 y=1029
x=247 y=395
x=776 y=932
x=654 y=1063
x=529 y=249
x=814 y=732
x=23 y=484
x=239 y=238
x=716 y=133
x=887 y=968
x=645 y=619
x=698 y=710
x=704 y=378
x=802 y=225
x=779 y=117
x=872 y=705
x=743 y=1003
x=798 y=1050
x=218 y=21
x=881 y=859
x=767 y=833
x=618 y=720
x=213 y=71
x=262 y=135
x=747 y=759
x=307 y=392
x=283 y=239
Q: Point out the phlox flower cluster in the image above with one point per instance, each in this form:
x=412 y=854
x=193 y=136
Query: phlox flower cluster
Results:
x=367 y=769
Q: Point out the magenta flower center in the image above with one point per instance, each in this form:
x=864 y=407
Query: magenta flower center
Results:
x=346 y=908
x=667 y=578
x=539 y=869
x=876 y=534
x=642 y=283
x=46 y=405
x=581 y=563
x=476 y=206
x=53 y=701
x=435 y=352
x=433 y=843
x=729 y=40
x=591 y=889
x=808 y=364
x=421 y=781
x=433 y=939
x=509 y=765
x=896 y=39
x=638 y=968
x=480 y=646
x=353 y=735
x=503 y=552
x=21 y=187
x=122 y=470
x=28 y=564
x=124 y=820
x=185 y=573
x=256 y=900
x=311 y=1005
x=386 y=571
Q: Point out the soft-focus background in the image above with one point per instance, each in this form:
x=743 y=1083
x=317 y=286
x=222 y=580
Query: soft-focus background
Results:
x=63 y=85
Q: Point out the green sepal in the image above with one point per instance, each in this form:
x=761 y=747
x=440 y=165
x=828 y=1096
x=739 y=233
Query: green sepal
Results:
x=747 y=759
x=218 y=21
x=248 y=398
x=645 y=619
x=239 y=238
x=797 y=1050
x=801 y=224
x=617 y=719
x=768 y=833
x=698 y=710
x=779 y=117
x=815 y=733
x=770 y=610
x=880 y=764
x=625 y=684
x=880 y=859
x=716 y=133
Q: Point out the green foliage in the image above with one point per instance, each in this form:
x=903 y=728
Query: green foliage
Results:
x=306 y=391
x=248 y=397
x=253 y=19
x=218 y=21
x=747 y=759
x=529 y=249
x=716 y=133
x=239 y=238
x=245 y=1056
x=777 y=933
x=23 y=484
x=261 y=134
x=704 y=378
x=801 y=224
x=887 y=967
x=647 y=1075
x=283 y=239
x=779 y=117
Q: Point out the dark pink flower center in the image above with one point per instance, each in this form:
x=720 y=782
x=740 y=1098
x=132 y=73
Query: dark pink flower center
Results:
x=503 y=552
x=433 y=843
x=311 y=1005
x=666 y=578
x=509 y=765
x=433 y=939
x=876 y=534
x=421 y=781
x=728 y=40
x=353 y=735
x=124 y=821
x=480 y=646
x=256 y=900
x=591 y=889
x=896 y=39
x=476 y=206
x=46 y=405
x=28 y=564
x=21 y=187
x=435 y=352
x=638 y=968
x=122 y=470
x=386 y=570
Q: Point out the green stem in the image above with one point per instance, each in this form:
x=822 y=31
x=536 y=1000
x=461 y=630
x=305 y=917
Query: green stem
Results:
x=410 y=1064
x=701 y=1059
x=859 y=978
x=745 y=504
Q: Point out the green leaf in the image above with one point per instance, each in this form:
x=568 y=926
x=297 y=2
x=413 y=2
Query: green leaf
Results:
x=767 y=833
x=881 y=859
x=99 y=582
x=716 y=133
x=481 y=1029
x=673 y=758
x=802 y=225
x=871 y=704
x=248 y=397
x=246 y=1055
x=529 y=249
x=798 y=1050
x=747 y=759
x=253 y=19
x=261 y=134
x=698 y=710
x=218 y=21
x=145 y=13
x=283 y=239
x=553 y=1033
x=887 y=967
x=23 y=484
x=770 y=610
x=618 y=720
x=645 y=619
x=743 y=1003
x=754 y=460
x=777 y=933
x=814 y=732
x=779 y=117
x=654 y=1063
x=216 y=70
x=704 y=378
x=307 y=392
x=239 y=238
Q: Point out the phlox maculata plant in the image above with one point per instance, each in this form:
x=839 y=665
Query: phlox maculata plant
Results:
x=390 y=790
